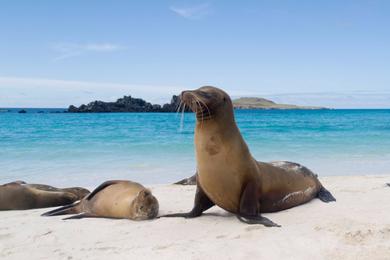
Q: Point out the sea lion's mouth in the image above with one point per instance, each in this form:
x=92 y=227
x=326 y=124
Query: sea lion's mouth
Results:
x=196 y=104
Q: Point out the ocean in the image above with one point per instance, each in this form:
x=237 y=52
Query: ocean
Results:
x=64 y=149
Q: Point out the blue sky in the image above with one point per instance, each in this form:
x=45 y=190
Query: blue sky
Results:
x=332 y=53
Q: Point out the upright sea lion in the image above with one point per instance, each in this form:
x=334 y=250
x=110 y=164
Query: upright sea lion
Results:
x=19 y=195
x=228 y=175
x=114 y=199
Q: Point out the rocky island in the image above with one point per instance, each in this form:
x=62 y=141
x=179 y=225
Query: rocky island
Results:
x=262 y=103
x=126 y=104
x=130 y=104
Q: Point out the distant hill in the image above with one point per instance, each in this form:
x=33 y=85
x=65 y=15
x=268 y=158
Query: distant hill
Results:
x=262 y=103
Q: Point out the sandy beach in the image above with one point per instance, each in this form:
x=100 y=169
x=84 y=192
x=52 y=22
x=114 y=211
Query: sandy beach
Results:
x=357 y=226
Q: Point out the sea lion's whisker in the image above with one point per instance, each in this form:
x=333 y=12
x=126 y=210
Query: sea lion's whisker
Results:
x=182 y=118
x=178 y=107
x=201 y=102
x=200 y=108
x=204 y=104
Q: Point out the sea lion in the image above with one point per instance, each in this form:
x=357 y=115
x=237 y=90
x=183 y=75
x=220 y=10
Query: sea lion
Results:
x=78 y=191
x=228 y=175
x=19 y=195
x=187 y=181
x=113 y=199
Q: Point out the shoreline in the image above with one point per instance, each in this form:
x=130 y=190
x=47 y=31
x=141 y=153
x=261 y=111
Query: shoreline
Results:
x=357 y=226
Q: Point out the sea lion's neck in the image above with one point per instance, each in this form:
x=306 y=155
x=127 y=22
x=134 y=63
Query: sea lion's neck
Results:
x=224 y=129
x=217 y=138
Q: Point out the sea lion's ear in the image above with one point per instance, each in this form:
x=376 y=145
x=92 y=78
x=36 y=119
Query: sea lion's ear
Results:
x=144 y=193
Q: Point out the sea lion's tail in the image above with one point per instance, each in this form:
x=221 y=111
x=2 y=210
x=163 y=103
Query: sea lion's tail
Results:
x=73 y=208
x=325 y=195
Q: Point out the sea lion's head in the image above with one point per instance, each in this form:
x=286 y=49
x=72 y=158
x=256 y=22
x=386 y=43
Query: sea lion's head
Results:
x=208 y=102
x=144 y=206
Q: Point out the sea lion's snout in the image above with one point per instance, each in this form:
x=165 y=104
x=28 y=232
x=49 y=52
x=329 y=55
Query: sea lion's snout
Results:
x=186 y=97
x=152 y=210
x=146 y=205
x=189 y=98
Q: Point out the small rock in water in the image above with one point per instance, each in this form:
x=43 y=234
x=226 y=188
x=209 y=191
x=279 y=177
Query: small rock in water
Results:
x=22 y=111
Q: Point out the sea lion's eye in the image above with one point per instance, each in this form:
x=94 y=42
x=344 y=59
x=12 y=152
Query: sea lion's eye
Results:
x=205 y=94
x=224 y=99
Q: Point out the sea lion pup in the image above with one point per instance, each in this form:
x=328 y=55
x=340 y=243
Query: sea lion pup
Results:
x=19 y=195
x=113 y=199
x=228 y=175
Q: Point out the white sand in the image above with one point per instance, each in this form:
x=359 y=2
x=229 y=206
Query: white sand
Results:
x=357 y=226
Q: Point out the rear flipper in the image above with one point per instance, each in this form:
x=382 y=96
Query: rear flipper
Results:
x=325 y=196
x=68 y=209
x=80 y=216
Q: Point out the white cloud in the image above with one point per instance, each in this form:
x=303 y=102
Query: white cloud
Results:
x=193 y=12
x=67 y=50
x=43 y=92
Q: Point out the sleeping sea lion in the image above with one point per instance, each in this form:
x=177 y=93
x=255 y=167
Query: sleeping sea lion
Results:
x=114 y=199
x=19 y=195
x=228 y=175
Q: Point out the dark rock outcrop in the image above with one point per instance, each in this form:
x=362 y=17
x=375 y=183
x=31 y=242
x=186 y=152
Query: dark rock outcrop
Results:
x=126 y=104
x=22 y=111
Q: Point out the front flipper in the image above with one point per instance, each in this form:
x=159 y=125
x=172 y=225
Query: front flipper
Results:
x=249 y=207
x=257 y=220
x=201 y=204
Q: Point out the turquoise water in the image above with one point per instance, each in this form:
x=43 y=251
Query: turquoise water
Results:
x=86 y=149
